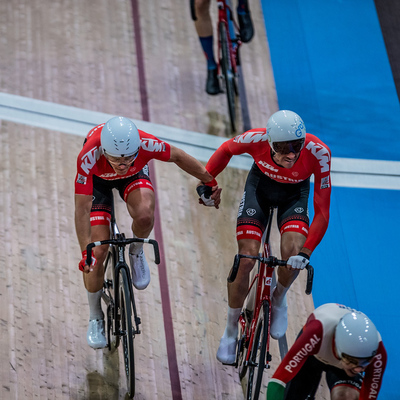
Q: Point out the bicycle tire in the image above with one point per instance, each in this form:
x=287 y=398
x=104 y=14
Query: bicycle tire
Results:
x=228 y=74
x=112 y=340
x=241 y=355
x=258 y=354
x=126 y=328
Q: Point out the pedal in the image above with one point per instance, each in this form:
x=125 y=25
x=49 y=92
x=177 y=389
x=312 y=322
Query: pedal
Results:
x=108 y=283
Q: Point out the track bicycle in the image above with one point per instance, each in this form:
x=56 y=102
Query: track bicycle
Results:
x=122 y=320
x=253 y=355
x=228 y=54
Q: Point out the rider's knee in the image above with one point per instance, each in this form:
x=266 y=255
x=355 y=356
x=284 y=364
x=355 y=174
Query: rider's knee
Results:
x=291 y=244
x=145 y=220
x=246 y=265
x=344 y=393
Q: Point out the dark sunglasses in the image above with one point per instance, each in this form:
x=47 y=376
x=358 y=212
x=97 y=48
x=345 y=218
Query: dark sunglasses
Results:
x=291 y=146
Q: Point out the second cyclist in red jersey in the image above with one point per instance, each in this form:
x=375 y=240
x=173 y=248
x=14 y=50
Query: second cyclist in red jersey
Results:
x=285 y=158
x=115 y=156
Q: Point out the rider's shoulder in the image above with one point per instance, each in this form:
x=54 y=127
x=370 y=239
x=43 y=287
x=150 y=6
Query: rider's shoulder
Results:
x=255 y=135
x=314 y=143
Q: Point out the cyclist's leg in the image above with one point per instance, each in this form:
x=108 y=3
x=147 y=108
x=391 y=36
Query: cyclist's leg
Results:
x=204 y=30
x=250 y=227
x=139 y=196
x=100 y=216
x=293 y=224
x=245 y=22
x=93 y=281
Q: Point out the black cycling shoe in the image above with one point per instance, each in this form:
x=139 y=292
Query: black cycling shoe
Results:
x=246 y=27
x=212 y=84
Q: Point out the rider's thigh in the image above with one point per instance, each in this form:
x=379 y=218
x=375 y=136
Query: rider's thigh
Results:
x=291 y=244
x=344 y=393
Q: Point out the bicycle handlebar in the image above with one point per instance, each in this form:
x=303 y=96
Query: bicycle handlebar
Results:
x=122 y=242
x=271 y=262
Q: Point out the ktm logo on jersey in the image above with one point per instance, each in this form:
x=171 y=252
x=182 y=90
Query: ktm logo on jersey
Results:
x=251 y=137
x=152 y=145
x=89 y=159
x=322 y=155
x=268 y=166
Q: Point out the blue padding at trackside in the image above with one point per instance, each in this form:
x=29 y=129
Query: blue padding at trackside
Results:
x=330 y=65
x=356 y=265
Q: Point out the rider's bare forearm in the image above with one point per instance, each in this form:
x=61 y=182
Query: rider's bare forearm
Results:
x=190 y=165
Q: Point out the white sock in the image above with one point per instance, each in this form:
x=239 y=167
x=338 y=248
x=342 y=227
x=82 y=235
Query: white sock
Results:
x=231 y=329
x=95 y=311
x=135 y=248
x=279 y=295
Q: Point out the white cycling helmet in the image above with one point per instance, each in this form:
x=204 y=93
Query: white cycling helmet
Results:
x=286 y=126
x=120 y=137
x=356 y=336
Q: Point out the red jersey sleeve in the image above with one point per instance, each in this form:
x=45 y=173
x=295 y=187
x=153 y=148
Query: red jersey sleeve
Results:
x=372 y=381
x=307 y=344
x=87 y=160
x=253 y=142
x=322 y=191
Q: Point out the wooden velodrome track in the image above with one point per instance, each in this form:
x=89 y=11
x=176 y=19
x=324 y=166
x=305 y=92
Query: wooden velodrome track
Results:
x=140 y=59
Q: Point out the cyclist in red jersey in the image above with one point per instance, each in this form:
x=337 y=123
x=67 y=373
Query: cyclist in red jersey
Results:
x=285 y=157
x=115 y=155
x=340 y=341
x=204 y=29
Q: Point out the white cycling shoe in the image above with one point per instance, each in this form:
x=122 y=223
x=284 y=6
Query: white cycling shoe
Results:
x=95 y=334
x=279 y=321
x=226 y=352
x=140 y=270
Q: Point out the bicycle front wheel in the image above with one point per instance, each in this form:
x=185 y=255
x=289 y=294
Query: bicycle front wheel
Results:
x=228 y=74
x=127 y=331
x=258 y=354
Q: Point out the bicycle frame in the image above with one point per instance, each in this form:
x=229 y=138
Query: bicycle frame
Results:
x=263 y=279
x=249 y=345
x=225 y=16
x=118 y=243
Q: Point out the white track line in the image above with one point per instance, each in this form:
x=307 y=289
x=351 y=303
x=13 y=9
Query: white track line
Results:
x=346 y=172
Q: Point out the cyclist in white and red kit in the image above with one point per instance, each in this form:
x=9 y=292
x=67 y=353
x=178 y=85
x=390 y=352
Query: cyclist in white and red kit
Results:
x=285 y=157
x=115 y=156
x=340 y=341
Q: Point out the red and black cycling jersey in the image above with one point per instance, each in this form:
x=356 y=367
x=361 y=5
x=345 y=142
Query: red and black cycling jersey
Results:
x=91 y=160
x=314 y=159
x=317 y=339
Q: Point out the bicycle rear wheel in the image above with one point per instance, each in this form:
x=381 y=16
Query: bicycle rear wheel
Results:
x=228 y=74
x=258 y=354
x=127 y=331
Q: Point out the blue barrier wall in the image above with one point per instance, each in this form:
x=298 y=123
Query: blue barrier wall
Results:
x=330 y=66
